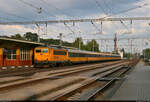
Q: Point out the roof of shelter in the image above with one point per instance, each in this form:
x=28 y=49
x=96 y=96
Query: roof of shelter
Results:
x=8 y=42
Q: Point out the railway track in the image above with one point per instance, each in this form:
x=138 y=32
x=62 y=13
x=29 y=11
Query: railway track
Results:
x=47 y=87
x=60 y=72
x=86 y=91
x=30 y=71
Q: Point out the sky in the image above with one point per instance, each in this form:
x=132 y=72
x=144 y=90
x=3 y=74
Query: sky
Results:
x=26 y=10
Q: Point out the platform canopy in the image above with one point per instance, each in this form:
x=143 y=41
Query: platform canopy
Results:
x=14 y=43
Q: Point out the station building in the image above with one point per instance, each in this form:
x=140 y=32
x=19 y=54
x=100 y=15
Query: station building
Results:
x=16 y=52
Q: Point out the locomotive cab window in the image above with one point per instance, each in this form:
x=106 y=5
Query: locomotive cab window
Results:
x=38 y=50
x=45 y=50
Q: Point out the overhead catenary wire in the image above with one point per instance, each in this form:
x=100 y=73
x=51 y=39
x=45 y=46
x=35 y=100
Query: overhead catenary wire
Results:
x=127 y=10
x=140 y=6
x=100 y=30
x=100 y=6
x=8 y=19
x=124 y=25
x=88 y=20
x=12 y=14
x=49 y=5
x=69 y=28
x=58 y=9
x=111 y=12
x=35 y=7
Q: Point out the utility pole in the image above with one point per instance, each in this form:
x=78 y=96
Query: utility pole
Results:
x=60 y=36
x=115 y=43
x=93 y=46
x=106 y=48
x=39 y=12
x=79 y=44
x=131 y=49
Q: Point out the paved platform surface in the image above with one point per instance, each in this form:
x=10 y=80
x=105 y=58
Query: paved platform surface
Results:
x=136 y=86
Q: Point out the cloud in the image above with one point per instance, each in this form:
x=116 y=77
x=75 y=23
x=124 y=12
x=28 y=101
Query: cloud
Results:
x=14 y=29
x=75 y=9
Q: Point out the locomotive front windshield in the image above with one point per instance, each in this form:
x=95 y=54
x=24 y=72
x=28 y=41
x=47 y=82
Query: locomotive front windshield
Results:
x=38 y=50
x=45 y=50
x=41 y=50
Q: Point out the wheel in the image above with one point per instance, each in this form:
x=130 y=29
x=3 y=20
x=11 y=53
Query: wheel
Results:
x=52 y=65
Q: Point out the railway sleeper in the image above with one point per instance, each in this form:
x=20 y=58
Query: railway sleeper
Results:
x=92 y=93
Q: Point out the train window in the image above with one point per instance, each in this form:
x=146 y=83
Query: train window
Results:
x=45 y=50
x=73 y=54
x=38 y=50
x=59 y=52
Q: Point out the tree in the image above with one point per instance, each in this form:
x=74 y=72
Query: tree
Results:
x=92 y=46
x=78 y=43
x=17 y=36
x=31 y=36
x=146 y=53
x=127 y=55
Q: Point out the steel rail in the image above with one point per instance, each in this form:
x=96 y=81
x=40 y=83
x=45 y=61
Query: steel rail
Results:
x=32 y=80
x=97 y=77
x=92 y=94
x=30 y=71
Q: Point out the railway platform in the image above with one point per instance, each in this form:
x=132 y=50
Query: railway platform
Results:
x=136 y=86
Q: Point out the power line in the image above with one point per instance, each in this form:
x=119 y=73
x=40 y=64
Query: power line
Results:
x=35 y=7
x=69 y=28
x=58 y=9
x=99 y=5
x=112 y=13
x=96 y=26
x=120 y=12
x=6 y=18
x=124 y=25
x=127 y=10
x=104 y=13
x=11 y=14
x=123 y=11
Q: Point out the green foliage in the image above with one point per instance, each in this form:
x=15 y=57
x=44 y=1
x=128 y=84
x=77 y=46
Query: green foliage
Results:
x=88 y=47
x=34 y=37
x=31 y=36
x=76 y=43
x=127 y=55
x=146 y=53
x=17 y=36
x=55 y=42
x=92 y=46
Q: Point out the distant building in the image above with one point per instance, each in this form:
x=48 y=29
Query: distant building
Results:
x=120 y=53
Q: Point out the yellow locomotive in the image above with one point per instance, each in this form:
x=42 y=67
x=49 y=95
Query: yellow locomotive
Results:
x=51 y=56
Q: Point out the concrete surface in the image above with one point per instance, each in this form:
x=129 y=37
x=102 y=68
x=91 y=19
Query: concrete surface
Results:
x=136 y=86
